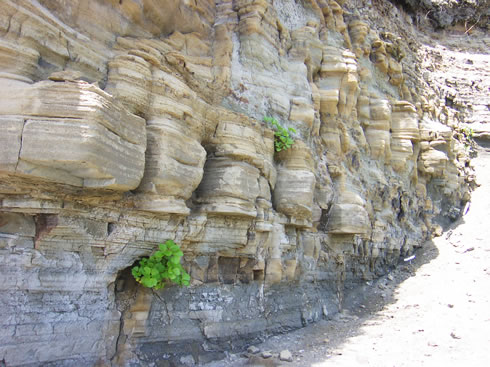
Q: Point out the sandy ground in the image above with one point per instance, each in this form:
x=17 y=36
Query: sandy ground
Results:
x=434 y=311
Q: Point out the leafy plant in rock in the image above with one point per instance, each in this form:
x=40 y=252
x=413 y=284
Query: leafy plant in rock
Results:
x=162 y=267
x=468 y=139
x=468 y=133
x=282 y=136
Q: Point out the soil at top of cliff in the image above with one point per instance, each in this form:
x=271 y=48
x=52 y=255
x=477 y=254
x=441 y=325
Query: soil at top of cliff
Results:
x=442 y=14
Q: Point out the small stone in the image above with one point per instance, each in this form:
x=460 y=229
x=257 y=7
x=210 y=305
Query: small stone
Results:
x=266 y=354
x=187 y=360
x=286 y=356
x=381 y=286
x=391 y=277
x=326 y=340
x=437 y=231
x=454 y=336
x=253 y=349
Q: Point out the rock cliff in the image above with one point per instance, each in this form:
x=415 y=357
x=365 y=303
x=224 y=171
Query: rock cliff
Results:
x=126 y=123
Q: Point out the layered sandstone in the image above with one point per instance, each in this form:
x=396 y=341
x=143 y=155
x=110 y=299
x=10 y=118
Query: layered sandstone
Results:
x=126 y=123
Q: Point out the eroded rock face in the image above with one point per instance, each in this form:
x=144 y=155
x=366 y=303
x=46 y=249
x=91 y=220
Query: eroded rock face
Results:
x=96 y=144
x=126 y=123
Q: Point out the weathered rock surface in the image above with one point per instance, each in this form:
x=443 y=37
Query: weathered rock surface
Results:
x=97 y=144
x=447 y=13
x=126 y=123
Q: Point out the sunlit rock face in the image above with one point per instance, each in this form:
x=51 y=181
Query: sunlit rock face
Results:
x=127 y=123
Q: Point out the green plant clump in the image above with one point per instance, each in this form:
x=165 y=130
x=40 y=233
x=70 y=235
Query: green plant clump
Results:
x=161 y=267
x=282 y=137
x=468 y=133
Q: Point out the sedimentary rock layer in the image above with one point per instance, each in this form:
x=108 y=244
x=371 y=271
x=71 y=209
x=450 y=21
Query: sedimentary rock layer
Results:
x=127 y=123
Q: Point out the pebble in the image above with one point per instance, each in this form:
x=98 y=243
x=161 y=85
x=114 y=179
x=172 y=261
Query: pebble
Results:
x=455 y=336
x=187 y=360
x=266 y=355
x=253 y=349
x=437 y=231
x=391 y=277
x=286 y=356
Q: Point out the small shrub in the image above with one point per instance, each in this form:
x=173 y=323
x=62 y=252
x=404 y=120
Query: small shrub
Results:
x=282 y=137
x=161 y=267
x=468 y=133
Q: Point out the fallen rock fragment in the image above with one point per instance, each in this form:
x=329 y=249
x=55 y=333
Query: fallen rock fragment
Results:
x=286 y=356
x=266 y=354
x=455 y=336
x=253 y=349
